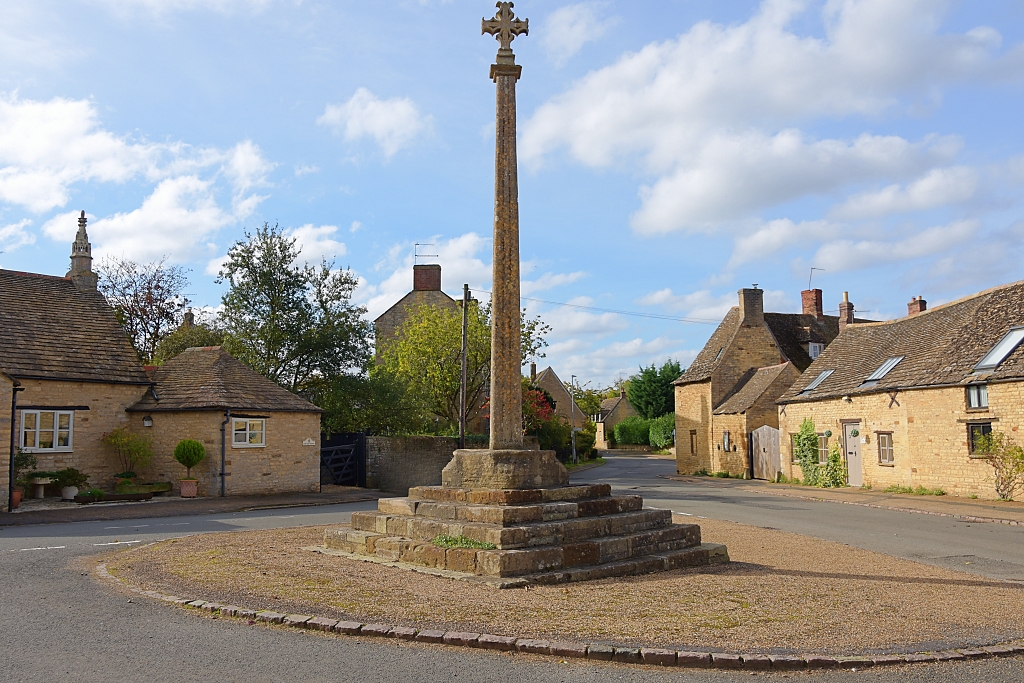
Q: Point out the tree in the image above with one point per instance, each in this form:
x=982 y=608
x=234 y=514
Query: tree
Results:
x=377 y=402
x=289 y=321
x=805 y=447
x=187 y=336
x=426 y=355
x=147 y=299
x=532 y=332
x=1007 y=460
x=650 y=392
x=588 y=400
x=132 y=450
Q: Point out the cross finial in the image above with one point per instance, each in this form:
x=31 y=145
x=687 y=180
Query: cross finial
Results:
x=505 y=27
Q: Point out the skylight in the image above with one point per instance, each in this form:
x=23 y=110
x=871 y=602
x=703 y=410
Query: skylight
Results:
x=817 y=381
x=884 y=369
x=1000 y=351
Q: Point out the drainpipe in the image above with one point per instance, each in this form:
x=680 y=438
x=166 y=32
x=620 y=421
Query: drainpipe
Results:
x=223 y=449
x=14 y=444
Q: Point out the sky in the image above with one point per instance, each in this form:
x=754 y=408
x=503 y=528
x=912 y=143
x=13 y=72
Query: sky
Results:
x=671 y=151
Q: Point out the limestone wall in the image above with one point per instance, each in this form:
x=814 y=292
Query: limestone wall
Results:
x=394 y=464
x=752 y=347
x=284 y=465
x=105 y=403
x=929 y=428
x=5 y=439
x=693 y=413
x=734 y=460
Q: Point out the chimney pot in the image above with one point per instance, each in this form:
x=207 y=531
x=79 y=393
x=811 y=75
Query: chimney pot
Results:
x=812 y=303
x=917 y=305
x=426 y=278
x=81 y=273
x=846 y=313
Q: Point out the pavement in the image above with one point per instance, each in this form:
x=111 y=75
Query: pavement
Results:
x=59 y=621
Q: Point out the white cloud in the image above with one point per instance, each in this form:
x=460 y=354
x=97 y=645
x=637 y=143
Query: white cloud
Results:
x=306 y=169
x=703 y=306
x=569 y=28
x=393 y=124
x=850 y=255
x=317 y=242
x=177 y=220
x=355 y=227
x=569 y=321
x=714 y=114
x=15 y=235
x=939 y=187
x=246 y=169
x=777 y=235
x=549 y=281
x=161 y=7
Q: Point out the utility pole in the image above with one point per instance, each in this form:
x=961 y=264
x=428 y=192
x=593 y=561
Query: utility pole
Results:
x=572 y=411
x=465 y=365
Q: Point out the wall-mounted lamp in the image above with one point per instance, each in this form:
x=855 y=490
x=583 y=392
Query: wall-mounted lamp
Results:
x=147 y=421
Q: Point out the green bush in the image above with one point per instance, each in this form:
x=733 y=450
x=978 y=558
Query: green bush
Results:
x=189 y=453
x=833 y=474
x=634 y=431
x=132 y=449
x=70 y=477
x=661 y=430
x=806 y=447
x=585 y=440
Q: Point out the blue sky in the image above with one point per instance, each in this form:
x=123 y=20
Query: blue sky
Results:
x=671 y=152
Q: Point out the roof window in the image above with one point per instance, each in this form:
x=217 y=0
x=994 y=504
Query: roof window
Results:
x=1000 y=351
x=884 y=369
x=817 y=381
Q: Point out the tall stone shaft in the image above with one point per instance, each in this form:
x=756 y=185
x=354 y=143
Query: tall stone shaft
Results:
x=506 y=360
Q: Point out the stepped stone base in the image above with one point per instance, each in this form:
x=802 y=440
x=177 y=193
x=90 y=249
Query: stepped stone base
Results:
x=531 y=535
x=514 y=469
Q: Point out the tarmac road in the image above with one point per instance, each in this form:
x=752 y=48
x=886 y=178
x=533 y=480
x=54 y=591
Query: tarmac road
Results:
x=60 y=623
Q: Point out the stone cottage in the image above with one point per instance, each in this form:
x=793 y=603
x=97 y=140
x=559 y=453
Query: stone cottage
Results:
x=731 y=387
x=426 y=291
x=613 y=411
x=268 y=437
x=565 y=406
x=80 y=377
x=907 y=399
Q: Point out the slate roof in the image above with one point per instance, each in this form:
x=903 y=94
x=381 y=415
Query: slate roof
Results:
x=49 y=329
x=753 y=384
x=790 y=331
x=210 y=378
x=941 y=347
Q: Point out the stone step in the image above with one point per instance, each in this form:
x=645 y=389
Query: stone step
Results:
x=511 y=537
x=443 y=494
x=510 y=563
x=697 y=556
x=507 y=515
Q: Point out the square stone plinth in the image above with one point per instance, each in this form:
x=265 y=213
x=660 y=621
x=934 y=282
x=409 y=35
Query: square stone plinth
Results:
x=504 y=470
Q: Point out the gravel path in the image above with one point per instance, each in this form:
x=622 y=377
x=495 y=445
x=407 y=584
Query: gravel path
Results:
x=783 y=593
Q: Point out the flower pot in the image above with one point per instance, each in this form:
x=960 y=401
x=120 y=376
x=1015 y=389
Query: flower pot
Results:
x=189 y=488
x=15 y=499
x=68 y=493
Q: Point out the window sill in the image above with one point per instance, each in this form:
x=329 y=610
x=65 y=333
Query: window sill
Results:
x=887 y=464
x=977 y=410
x=245 y=445
x=44 y=451
x=976 y=456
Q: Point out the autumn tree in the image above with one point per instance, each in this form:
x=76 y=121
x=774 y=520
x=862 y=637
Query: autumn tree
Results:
x=148 y=300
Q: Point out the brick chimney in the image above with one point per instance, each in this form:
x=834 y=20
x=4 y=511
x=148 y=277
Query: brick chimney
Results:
x=751 y=307
x=845 y=312
x=81 y=260
x=917 y=305
x=426 y=278
x=533 y=372
x=811 y=299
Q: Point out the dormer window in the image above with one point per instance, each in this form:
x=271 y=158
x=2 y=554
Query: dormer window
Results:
x=1000 y=351
x=814 y=350
x=817 y=381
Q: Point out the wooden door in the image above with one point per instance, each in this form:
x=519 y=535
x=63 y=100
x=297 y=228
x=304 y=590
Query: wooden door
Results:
x=854 y=464
x=764 y=451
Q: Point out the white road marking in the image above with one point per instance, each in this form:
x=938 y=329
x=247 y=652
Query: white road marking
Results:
x=118 y=543
x=49 y=547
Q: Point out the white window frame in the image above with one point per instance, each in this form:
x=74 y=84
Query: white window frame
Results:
x=248 y=422
x=814 y=349
x=886 y=448
x=37 y=413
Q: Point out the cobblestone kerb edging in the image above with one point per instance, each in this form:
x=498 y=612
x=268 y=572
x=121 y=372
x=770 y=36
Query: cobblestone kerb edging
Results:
x=593 y=651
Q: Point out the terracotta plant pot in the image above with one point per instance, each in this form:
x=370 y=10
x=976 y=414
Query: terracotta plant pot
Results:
x=189 y=488
x=15 y=499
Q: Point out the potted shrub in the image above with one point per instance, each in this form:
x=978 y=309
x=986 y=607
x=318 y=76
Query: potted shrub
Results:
x=22 y=462
x=70 y=481
x=132 y=450
x=189 y=453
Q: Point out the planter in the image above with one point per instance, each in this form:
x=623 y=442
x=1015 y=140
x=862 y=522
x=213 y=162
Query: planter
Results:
x=39 y=484
x=120 y=482
x=15 y=499
x=189 y=488
x=68 y=492
x=112 y=497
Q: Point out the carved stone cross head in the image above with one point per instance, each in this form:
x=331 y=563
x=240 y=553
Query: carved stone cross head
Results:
x=505 y=26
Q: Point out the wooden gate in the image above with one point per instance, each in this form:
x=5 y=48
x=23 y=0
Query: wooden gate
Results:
x=343 y=459
x=765 y=453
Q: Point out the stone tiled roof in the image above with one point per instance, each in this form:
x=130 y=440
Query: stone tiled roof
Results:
x=50 y=329
x=707 y=360
x=752 y=386
x=210 y=378
x=941 y=347
x=794 y=330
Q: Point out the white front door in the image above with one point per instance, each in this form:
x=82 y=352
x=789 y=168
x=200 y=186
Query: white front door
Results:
x=854 y=465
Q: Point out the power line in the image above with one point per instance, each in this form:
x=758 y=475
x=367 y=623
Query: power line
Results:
x=655 y=316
